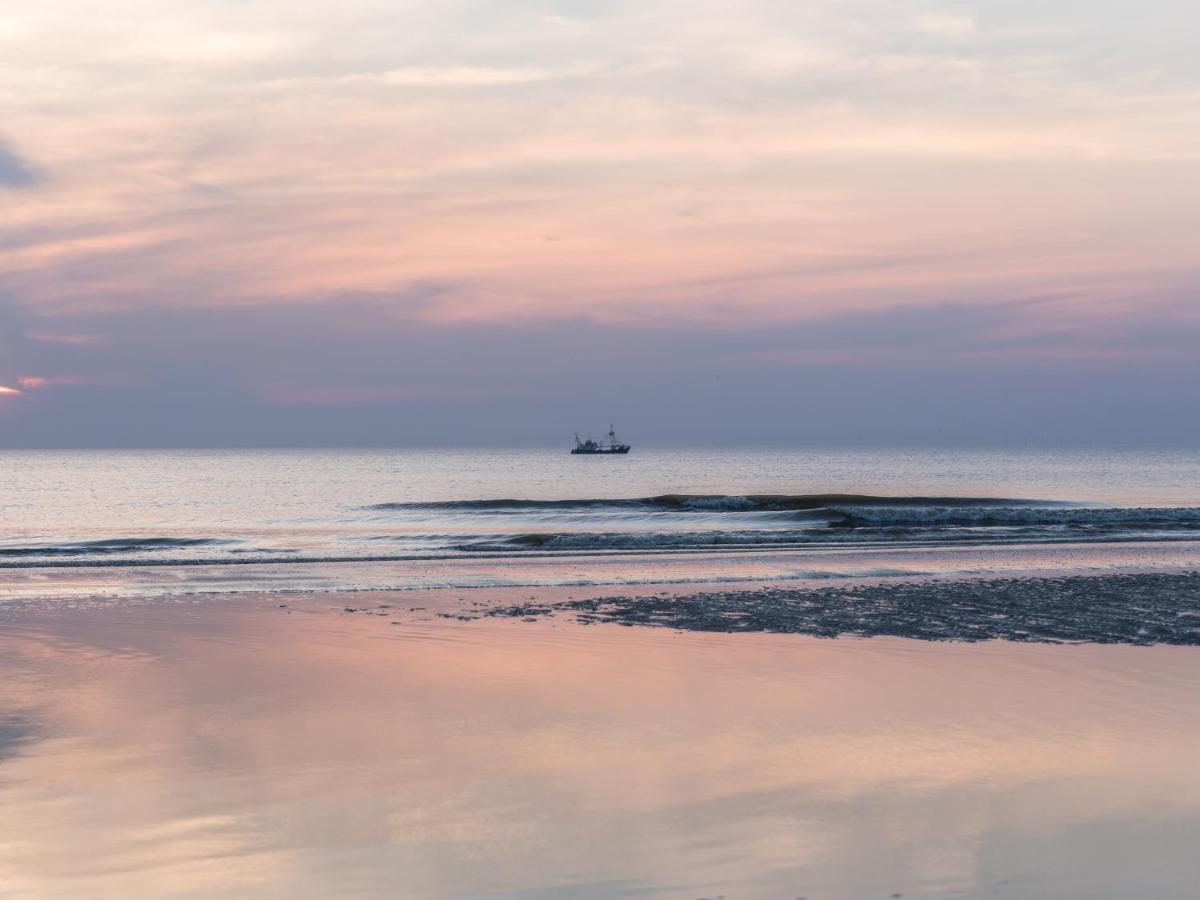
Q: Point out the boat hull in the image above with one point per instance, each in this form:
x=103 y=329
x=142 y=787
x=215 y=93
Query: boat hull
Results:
x=620 y=451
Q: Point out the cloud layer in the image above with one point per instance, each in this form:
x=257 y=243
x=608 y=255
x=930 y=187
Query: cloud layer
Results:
x=971 y=188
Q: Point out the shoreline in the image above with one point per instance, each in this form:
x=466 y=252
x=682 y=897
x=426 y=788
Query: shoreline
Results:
x=813 y=547
x=625 y=573
x=1123 y=603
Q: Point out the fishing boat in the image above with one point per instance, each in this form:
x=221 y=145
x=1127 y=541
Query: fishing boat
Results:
x=589 y=447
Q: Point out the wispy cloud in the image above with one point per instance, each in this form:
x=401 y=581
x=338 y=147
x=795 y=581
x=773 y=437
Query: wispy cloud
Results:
x=947 y=25
x=51 y=337
x=37 y=382
x=457 y=76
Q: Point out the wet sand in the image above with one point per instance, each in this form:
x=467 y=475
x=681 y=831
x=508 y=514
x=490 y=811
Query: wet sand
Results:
x=1134 y=608
x=375 y=745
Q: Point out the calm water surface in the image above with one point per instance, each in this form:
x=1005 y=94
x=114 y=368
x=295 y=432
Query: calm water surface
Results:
x=229 y=747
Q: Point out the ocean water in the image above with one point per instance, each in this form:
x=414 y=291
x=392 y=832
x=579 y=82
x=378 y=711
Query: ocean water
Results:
x=261 y=520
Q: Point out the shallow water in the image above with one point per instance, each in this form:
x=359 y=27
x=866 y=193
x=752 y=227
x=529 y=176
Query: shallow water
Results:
x=82 y=585
x=232 y=747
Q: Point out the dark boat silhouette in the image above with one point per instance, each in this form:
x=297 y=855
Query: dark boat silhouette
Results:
x=590 y=447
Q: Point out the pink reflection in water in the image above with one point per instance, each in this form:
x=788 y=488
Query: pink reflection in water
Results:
x=229 y=747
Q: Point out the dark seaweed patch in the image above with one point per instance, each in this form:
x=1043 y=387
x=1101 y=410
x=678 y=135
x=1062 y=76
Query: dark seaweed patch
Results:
x=1139 y=609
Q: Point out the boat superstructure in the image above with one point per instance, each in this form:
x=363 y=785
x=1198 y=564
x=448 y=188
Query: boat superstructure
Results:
x=612 y=445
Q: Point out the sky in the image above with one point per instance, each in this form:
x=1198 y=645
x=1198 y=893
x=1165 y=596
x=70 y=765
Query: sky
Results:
x=378 y=222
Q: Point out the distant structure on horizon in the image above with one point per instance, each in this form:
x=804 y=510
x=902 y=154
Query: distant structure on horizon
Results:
x=590 y=447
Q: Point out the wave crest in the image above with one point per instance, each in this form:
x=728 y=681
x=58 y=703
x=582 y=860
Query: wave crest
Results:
x=704 y=503
x=110 y=545
x=982 y=517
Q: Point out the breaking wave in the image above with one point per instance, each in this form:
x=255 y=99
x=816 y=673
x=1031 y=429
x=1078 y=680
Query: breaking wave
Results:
x=620 y=540
x=1006 y=516
x=838 y=533
x=109 y=546
x=664 y=523
x=702 y=503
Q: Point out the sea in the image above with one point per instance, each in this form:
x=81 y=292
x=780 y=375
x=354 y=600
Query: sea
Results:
x=276 y=673
x=82 y=523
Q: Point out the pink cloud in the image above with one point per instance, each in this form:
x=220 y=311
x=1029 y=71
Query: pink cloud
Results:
x=335 y=396
x=33 y=382
x=53 y=338
x=353 y=396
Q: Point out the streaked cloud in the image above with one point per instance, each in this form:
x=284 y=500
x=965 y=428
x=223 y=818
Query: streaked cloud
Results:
x=51 y=337
x=36 y=382
x=436 y=76
x=949 y=25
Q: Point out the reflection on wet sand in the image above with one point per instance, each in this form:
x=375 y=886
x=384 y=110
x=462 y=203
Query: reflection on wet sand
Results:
x=235 y=747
